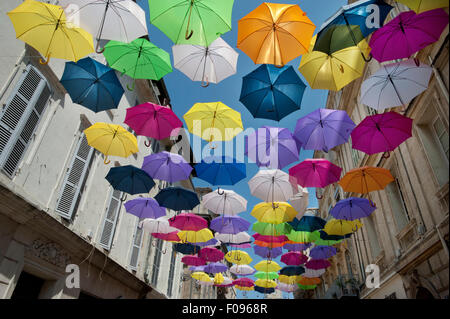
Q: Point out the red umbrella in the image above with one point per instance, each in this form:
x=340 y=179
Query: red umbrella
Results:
x=191 y=260
x=294 y=258
x=173 y=236
x=211 y=254
x=317 y=264
x=270 y=239
x=244 y=282
x=188 y=221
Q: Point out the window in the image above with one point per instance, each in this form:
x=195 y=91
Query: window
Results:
x=75 y=178
x=136 y=247
x=155 y=146
x=355 y=154
x=171 y=273
x=373 y=237
x=110 y=220
x=156 y=262
x=20 y=118
x=349 y=264
x=441 y=135
x=398 y=206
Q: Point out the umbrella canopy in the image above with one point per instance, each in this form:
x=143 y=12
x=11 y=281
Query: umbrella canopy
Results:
x=242 y=270
x=130 y=179
x=139 y=59
x=192 y=22
x=220 y=170
x=288 y=280
x=209 y=243
x=269 y=229
x=201 y=276
x=286 y=287
x=338 y=37
x=264 y=290
x=322 y=252
x=305 y=281
x=45 y=27
x=215 y=267
x=218 y=279
x=239 y=238
x=92 y=85
x=395 y=84
x=145 y=208
x=197 y=268
x=227 y=282
x=300 y=201
x=334 y=71
x=294 y=258
x=243 y=288
x=407 y=34
x=274 y=213
x=111 y=140
x=269 y=245
x=323 y=239
x=265 y=283
x=225 y=202
x=316 y=173
x=424 y=5
x=193 y=261
x=270 y=239
x=302 y=236
x=266 y=252
x=210 y=64
x=311 y=273
x=186 y=249
x=172 y=236
x=275 y=33
x=152 y=120
x=238 y=257
x=316 y=264
x=244 y=282
x=213 y=121
x=341 y=227
x=296 y=246
x=292 y=270
x=229 y=224
x=241 y=246
x=271 y=147
x=308 y=223
x=324 y=129
x=266 y=275
x=159 y=225
x=271 y=185
x=306 y=287
x=211 y=254
x=366 y=179
x=192 y=236
x=166 y=166
x=267 y=266
x=188 y=221
x=177 y=198
x=272 y=93
x=352 y=208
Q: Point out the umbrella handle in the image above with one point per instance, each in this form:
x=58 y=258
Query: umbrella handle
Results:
x=164 y=251
x=279 y=66
x=124 y=197
x=386 y=154
x=97 y=50
x=188 y=35
x=45 y=62
x=417 y=62
x=147 y=144
x=218 y=191
x=132 y=87
x=106 y=161
x=212 y=146
x=319 y=197
x=207 y=83
x=365 y=59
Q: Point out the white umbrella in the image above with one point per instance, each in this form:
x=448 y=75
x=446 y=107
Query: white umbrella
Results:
x=242 y=270
x=238 y=238
x=395 y=84
x=300 y=201
x=159 y=225
x=122 y=20
x=271 y=185
x=226 y=281
x=286 y=287
x=206 y=64
x=312 y=273
x=226 y=202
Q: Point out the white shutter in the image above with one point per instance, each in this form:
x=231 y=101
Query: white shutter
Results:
x=136 y=247
x=110 y=220
x=74 y=179
x=20 y=117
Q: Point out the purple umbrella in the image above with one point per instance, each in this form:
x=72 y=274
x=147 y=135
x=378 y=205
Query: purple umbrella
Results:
x=323 y=129
x=266 y=252
x=272 y=147
x=317 y=264
x=352 y=208
x=211 y=242
x=229 y=224
x=167 y=166
x=322 y=252
x=145 y=208
x=407 y=34
x=197 y=268
x=214 y=268
x=297 y=247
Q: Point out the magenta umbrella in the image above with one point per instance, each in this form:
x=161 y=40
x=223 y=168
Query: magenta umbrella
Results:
x=244 y=282
x=316 y=173
x=294 y=258
x=317 y=264
x=152 y=120
x=245 y=245
x=407 y=34
x=188 y=221
x=211 y=254
x=381 y=133
x=193 y=260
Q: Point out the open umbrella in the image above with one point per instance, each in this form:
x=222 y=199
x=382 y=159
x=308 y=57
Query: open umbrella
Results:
x=395 y=84
x=193 y=261
x=211 y=254
x=92 y=85
x=218 y=279
x=266 y=252
x=210 y=64
x=322 y=252
x=271 y=229
x=291 y=246
x=177 y=198
x=306 y=287
x=292 y=271
x=209 y=243
x=300 y=201
x=267 y=244
x=424 y=5
x=267 y=266
x=130 y=179
x=186 y=249
x=323 y=129
x=220 y=170
x=293 y=258
x=305 y=281
x=274 y=213
x=270 y=239
x=152 y=120
x=171 y=237
x=188 y=221
x=407 y=34
x=286 y=287
x=263 y=290
x=225 y=202
x=242 y=270
x=316 y=172
x=288 y=280
x=239 y=238
x=45 y=27
x=197 y=268
x=244 y=282
x=227 y=282
x=215 y=267
x=311 y=273
x=272 y=147
x=166 y=166
x=308 y=223
x=272 y=93
x=229 y=224
x=194 y=237
x=302 y=236
x=341 y=227
x=317 y=264
x=366 y=179
x=275 y=33
x=271 y=185
x=238 y=257
x=111 y=140
x=145 y=208
x=352 y=208
x=266 y=275
x=265 y=283
x=241 y=246
x=159 y=225
x=201 y=276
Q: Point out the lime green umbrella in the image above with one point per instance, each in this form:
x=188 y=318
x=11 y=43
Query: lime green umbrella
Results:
x=266 y=275
x=268 y=229
x=138 y=59
x=303 y=236
x=197 y=22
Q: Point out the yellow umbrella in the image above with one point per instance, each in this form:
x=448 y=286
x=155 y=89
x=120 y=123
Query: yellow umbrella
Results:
x=289 y=280
x=238 y=257
x=424 y=5
x=191 y=236
x=201 y=276
x=274 y=213
x=218 y=279
x=266 y=283
x=244 y=288
x=111 y=140
x=213 y=121
x=45 y=27
x=333 y=72
x=267 y=266
x=341 y=227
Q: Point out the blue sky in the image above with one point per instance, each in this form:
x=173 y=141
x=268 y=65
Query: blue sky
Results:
x=184 y=93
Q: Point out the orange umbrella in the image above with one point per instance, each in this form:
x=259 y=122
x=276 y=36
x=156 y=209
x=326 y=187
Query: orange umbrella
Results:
x=308 y=281
x=366 y=179
x=268 y=244
x=275 y=33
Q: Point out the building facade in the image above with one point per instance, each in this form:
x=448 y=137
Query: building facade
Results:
x=407 y=235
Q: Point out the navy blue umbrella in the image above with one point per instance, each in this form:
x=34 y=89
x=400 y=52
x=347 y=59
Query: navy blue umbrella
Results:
x=325 y=236
x=177 y=198
x=292 y=270
x=272 y=93
x=221 y=170
x=308 y=223
x=130 y=179
x=92 y=84
x=264 y=290
x=186 y=249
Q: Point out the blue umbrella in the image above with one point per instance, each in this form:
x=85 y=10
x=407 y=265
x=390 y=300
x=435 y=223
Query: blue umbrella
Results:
x=221 y=170
x=177 y=198
x=229 y=224
x=272 y=93
x=264 y=290
x=266 y=252
x=186 y=249
x=325 y=236
x=214 y=268
x=352 y=208
x=145 y=208
x=292 y=270
x=130 y=179
x=322 y=252
x=92 y=84
x=308 y=223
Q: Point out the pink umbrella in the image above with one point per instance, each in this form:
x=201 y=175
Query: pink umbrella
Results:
x=407 y=34
x=317 y=264
x=316 y=173
x=188 y=221
x=381 y=133
x=246 y=245
x=244 y=282
x=211 y=254
x=193 y=260
x=294 y=258
x=270 y=239
x=173 y=236
x=152 y=120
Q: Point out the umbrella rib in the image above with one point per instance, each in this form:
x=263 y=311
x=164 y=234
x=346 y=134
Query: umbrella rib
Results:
x=204 y=6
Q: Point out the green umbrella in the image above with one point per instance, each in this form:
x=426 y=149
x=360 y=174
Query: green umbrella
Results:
x=268 y=229
x=266 y=275
x=197 y=22
x=303 y=236
x=338 y=37
x=306 y=287
x=138 y=59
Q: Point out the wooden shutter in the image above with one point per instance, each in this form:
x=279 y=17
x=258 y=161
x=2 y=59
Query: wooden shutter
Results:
x=136 y=247
x=20 y=117
x=110 y=220
x=74 y=179
x=156 y=262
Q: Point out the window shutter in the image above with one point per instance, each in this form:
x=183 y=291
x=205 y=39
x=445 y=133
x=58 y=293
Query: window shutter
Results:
x=110 y=220
x=20 y=117
x=74 y=179
x=136 y=247
x=156 y=262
